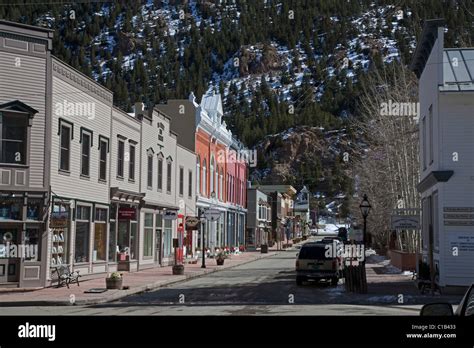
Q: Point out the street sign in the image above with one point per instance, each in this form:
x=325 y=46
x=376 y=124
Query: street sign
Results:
x=192 y=223
x=170 y=215
x=405 y=222
x=212 y=214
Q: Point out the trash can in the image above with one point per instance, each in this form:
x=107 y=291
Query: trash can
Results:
x=264 y=249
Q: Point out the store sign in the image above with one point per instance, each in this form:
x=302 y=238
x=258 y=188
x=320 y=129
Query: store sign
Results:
x=458 y=216
x=59 y=219
x=170 y=215
x=192 y=223
x=405 y=222
x=127 y=214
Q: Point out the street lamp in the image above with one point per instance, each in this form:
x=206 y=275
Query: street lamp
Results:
x=365 y=210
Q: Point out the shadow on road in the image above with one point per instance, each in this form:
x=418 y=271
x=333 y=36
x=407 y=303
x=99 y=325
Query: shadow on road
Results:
x=278 y=290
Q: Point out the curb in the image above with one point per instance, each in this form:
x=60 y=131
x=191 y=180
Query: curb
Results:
x=124 y=293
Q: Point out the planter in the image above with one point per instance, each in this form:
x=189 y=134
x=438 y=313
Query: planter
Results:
x=113 y=283
x=264 y=249
x=403 y=261
x=178 y=269
x=220 y=262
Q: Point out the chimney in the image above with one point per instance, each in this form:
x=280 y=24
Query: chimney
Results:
x=139 y=109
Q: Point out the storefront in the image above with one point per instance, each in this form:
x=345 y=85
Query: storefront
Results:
x=78 y=235
x=22 y=238
x=123 y=238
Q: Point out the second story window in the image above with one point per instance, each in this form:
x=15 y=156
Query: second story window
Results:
x=160 y=172
x=131 y=163
x=190 y=184
x=168 y=174
x=181 y=181
x=103 y=149
x=65 y=147
x=86 y=139
x=120 y=158
x=150 y=171
x=13 y=132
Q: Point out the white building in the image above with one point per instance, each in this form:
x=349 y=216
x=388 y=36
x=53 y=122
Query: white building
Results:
x=446 y=91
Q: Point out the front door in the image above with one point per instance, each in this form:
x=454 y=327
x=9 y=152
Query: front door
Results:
x=9 y=258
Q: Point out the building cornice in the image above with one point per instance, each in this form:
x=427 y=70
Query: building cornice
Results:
x=81 y=81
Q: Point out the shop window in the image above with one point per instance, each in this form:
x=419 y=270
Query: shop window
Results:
x=123 y=237
x=83 y=213
x=33 y=244
x=34 y=209
x=100 y=240
x=133 y=240
x=167 y=235
x=13 y=131
x=101 y=215
x=8 y=236
x=11 y=208
x=100 y=235
x=59 y=222
x=81 y=253
x=148 y=235
x=112 y=242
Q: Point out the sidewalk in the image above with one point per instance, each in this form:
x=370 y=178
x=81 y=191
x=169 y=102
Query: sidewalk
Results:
x=141 y=281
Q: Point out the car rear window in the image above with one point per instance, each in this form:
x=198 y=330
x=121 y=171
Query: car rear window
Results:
x=316 y=252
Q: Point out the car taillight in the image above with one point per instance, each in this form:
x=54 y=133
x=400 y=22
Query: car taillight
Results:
x=334 y=264
x=297 y=264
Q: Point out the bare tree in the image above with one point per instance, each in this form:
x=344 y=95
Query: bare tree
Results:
x=388 y=170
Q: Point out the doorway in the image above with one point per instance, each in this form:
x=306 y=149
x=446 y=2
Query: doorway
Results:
x=158 y=248
x=9 y=259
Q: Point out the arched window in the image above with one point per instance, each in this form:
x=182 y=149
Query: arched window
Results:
x=221 y=184
x=217 y=182
x=198 y=175
x=204 y=178
x=211 y=173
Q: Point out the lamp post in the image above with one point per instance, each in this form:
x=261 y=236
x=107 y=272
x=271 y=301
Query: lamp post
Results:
x=365 y=210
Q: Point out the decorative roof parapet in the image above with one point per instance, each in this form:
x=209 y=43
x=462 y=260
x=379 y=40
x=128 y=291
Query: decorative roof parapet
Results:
x=81 y=81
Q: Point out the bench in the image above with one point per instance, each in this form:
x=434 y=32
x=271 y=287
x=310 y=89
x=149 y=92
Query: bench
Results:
x=65 y=276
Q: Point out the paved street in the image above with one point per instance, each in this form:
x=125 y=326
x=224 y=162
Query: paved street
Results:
x=262 y=287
